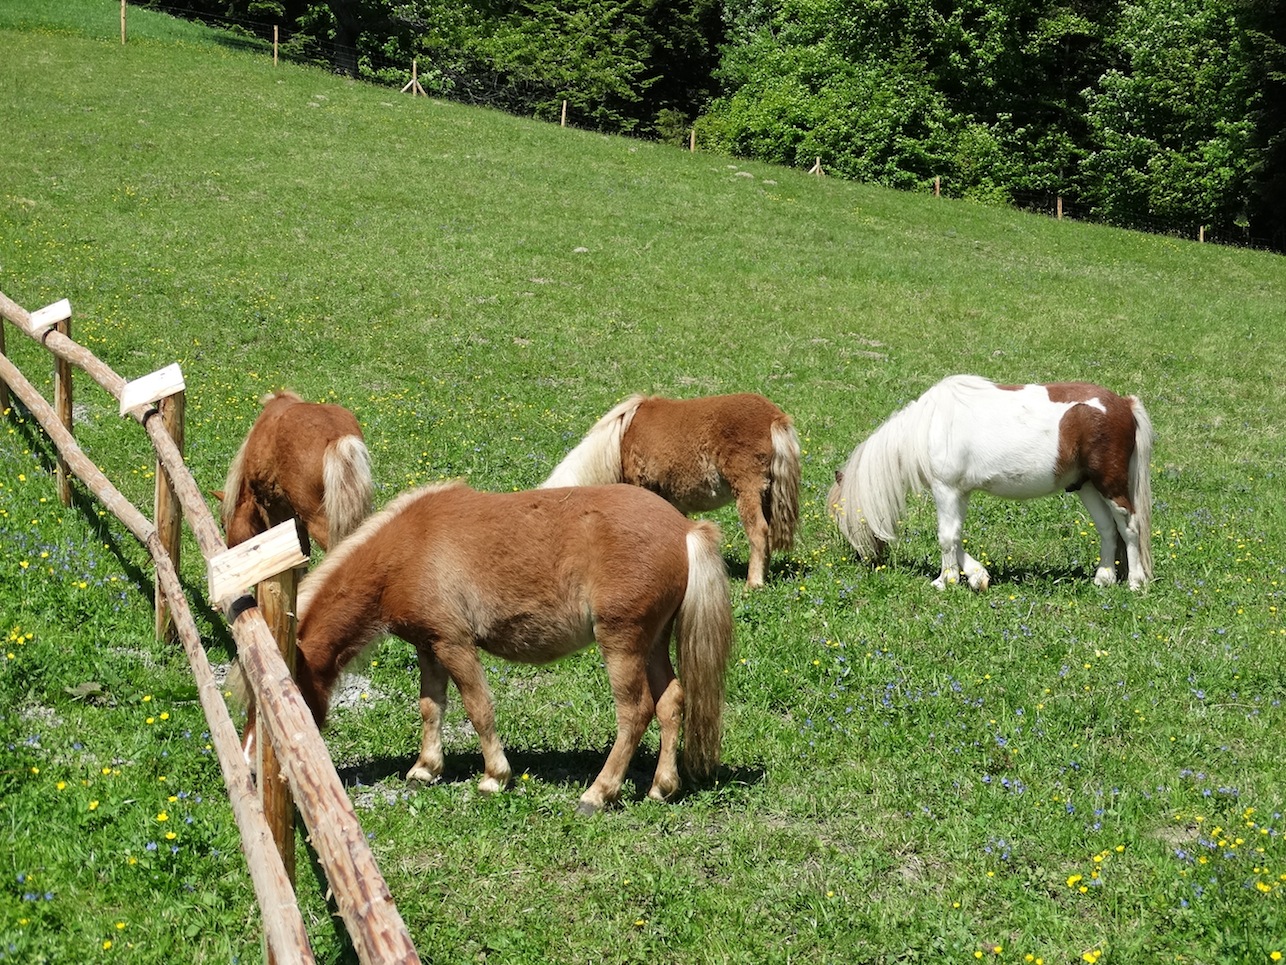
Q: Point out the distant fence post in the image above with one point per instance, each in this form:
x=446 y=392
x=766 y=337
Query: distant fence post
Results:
x=692 y=146
x=413 y=85
x=817 y=168
x=564 y=123
x=937 y=186
x=1060 y=207
x=1201 y=234
x=274 y=45
x=122 y=23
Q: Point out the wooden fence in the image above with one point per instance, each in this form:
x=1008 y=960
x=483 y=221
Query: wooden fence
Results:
x=155 y=402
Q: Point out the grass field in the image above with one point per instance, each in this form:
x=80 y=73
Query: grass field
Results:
x=1045 y=772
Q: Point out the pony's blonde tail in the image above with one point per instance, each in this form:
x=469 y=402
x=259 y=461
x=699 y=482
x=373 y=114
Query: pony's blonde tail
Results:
x=783 y=488
x=596 y=460
x=1141 y=483
x=703 y=629
x=346 y=486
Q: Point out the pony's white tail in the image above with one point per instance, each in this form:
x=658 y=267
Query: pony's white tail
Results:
x=703 y=629
x=783 y=487
x=346 y=486
x=1141 y=484
x=596 y=460
x=869 y=496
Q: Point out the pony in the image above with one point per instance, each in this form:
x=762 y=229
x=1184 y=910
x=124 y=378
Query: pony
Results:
x=967 y=434
x=700 y=454
x=531 y=577
x=302 y=459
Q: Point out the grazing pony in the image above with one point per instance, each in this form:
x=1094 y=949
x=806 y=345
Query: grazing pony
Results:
x=700 y=454
x=531 y=577
x=302 y=459
x=1019 y=441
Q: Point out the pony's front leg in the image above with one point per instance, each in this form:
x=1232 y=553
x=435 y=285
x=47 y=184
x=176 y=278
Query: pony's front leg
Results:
x=634 y=710
x=433 y=705
x=952 y=504
x=462 y=663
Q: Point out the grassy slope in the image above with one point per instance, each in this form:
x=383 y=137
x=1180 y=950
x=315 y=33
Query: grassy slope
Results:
x=908 y=771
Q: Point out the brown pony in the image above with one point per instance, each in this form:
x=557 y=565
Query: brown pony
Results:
x=531 y=577
x=302 y=459
x=700 y=454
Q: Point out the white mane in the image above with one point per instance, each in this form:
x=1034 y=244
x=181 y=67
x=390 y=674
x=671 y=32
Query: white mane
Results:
x=596 y=460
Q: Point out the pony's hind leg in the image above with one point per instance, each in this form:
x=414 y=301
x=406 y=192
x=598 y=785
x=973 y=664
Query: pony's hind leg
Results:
x=461 y=661
x=433 y=705
x=751 y=510
x=625 y=659
x=667 y=697
x=1104 y=521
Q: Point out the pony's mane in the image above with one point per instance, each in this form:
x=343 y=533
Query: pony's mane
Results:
x=596 y=460
x=338 y=556
x=281 y=394
x=232 y=486
x=890 y=463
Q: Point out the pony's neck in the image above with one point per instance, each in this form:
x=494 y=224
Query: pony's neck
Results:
x=336 y=628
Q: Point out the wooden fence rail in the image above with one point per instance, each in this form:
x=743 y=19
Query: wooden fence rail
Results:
x=361 y=894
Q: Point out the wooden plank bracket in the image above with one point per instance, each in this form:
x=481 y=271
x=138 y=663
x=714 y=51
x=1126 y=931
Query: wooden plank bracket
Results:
x=152 y=388
x=43 y=319
x=260 y=558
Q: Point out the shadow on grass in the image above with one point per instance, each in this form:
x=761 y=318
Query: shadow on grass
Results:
x=214 y=631
x=575 y=770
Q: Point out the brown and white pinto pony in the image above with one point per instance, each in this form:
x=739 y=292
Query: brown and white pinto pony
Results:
x=967 y=434
x=302 y=459
x=700 y=454
x=531 y=577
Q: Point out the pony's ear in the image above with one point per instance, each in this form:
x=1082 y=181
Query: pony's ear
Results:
x=839 y=477
x=217 y=494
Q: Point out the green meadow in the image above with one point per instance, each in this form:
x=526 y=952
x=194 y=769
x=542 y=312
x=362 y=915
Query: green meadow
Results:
x=1044 y=772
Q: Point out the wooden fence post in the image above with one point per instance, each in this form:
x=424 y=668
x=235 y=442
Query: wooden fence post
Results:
x=168 y=514
x=277 y=597
x=692 y=146
x=937 y=187
x=165 y=388
x=274 y=45
x=62 y=404
x=1201 y=234
x=4 y=386
x=1060 y=207
x=564 y=124
x=122 y=23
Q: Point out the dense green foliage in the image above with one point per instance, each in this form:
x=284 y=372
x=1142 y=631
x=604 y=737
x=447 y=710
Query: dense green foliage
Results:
x=1048 y=769
x=1159 y=114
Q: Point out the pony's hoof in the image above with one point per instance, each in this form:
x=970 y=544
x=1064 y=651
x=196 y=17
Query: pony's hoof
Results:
x=490 y=785
x=588 y=808
x=422 y=774
x=980 y=581
x=1105 y=577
